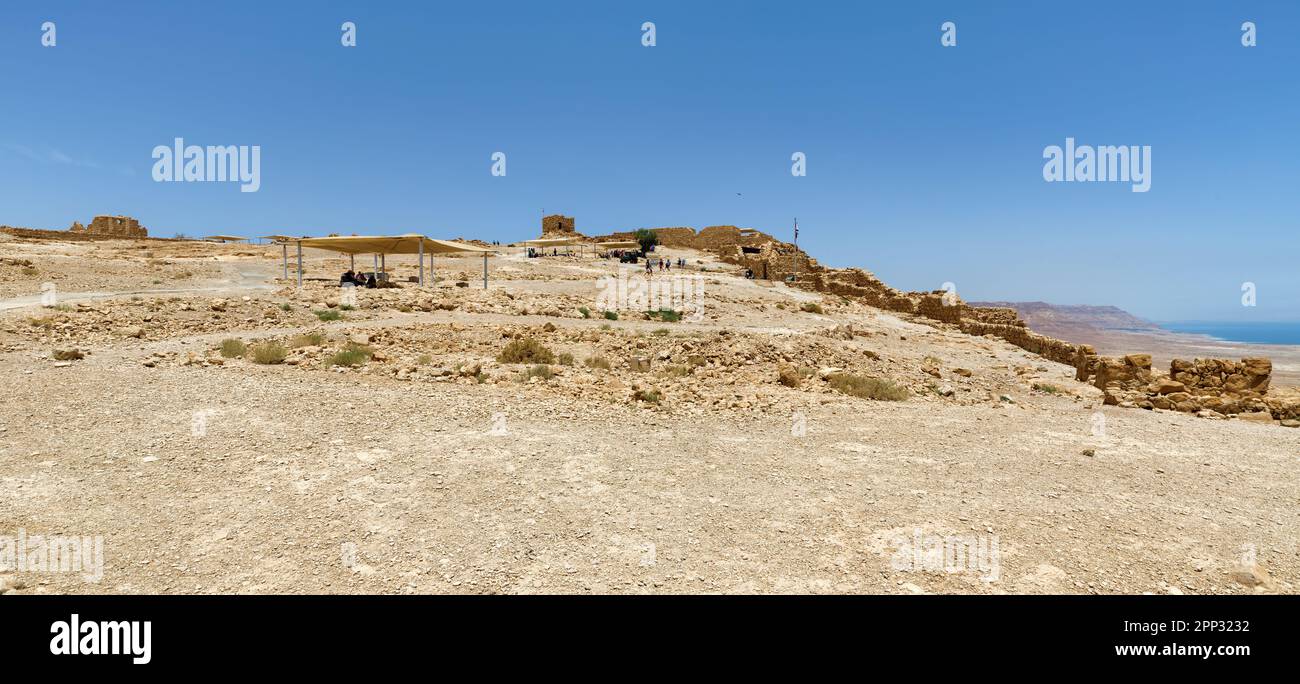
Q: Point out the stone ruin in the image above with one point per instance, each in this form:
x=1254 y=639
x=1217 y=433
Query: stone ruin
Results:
x=1213 y=388
x=558 y=225
x=764 y=255
x=111 y=226
x=1207 y=387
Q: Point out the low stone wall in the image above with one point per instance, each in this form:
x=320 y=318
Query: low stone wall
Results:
x=1247 y=377
x=1049 y=348
x=996 y=315
x=1222 y=386
x=65 y=235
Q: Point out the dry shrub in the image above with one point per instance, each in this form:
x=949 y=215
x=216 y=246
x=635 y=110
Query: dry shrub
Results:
x=233 y=348
x=539 y=371
x=867 y=388
x=525 y=350
x=268 y=353
x=314 y=339
x=650 y=396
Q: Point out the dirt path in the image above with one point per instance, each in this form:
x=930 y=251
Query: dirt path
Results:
x=241 y=278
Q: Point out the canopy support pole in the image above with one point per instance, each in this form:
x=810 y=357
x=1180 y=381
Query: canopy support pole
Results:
x=383 y=265
x=422 y=262
x=352 y=262
x=376 y=256
x=299 y=264
x=485 y=270
x=284 y=258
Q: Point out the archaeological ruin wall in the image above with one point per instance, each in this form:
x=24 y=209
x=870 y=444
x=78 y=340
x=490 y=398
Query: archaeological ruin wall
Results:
x=1223 y=387
x=558 y=225
x=111 y=226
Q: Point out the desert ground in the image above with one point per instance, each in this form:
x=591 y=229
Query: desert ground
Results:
x=393 y=450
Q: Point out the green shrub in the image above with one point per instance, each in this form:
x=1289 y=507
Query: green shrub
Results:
x=666 y=315
x=598 y=362
x=525 y=350
x=649 y=396
x=811 y=307
x=1044 y=387
x=586 y=313
x=646 y=238
x=232 y=348
x=286 y=307
x=268 y=353
x=566 y=359
x=328 y=315
x=346 y=307
x=611 y=315
x=867 y=388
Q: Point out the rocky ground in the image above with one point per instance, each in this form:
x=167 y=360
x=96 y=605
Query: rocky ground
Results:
x=390 y=446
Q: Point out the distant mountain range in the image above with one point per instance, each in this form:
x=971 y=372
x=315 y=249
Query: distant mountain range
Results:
x=1080 y=323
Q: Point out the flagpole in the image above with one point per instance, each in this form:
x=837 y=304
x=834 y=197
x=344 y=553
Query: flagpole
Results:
x=796 y=249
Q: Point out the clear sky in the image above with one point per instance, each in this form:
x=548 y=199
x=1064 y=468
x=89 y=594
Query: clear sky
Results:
x=924 y=163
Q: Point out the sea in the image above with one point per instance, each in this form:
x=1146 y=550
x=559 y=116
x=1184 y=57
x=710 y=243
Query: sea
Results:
x=1253 y=333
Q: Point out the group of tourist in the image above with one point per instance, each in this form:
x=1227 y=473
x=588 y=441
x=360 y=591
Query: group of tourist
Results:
x=534 y=253
x=357 y=279
x=664 y=264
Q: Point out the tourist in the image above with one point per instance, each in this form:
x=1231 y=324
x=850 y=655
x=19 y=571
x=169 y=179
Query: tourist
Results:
x=346 y=279
x=371 y=283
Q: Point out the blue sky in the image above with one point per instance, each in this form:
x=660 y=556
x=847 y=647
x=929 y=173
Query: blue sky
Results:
x=924 y=163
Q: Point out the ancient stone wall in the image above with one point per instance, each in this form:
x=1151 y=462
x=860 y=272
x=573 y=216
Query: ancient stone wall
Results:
x=1247 y=377
x=558 y=225
x=1226 y=387
x=1050 y=348
x=993 y=314
x=111 y=226
x=1221 y=387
